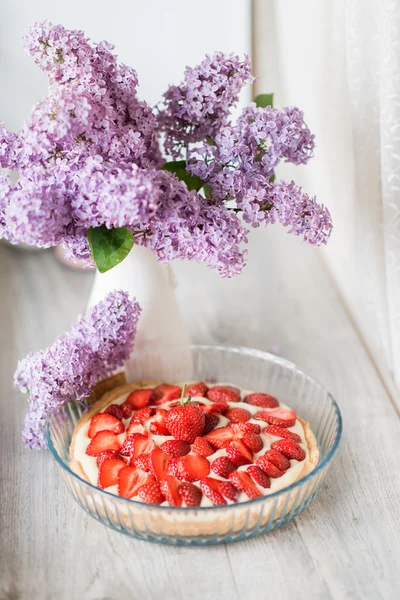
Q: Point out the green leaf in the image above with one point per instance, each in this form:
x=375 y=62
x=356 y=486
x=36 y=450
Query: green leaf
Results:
x=263 y=100
x=210 y=140
x=179 y=168
x=109 y=246
x=272 y=178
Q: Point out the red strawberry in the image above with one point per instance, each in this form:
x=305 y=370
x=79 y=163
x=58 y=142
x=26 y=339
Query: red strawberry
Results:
x=165 y=393
x=201 y=446
x=278 y=459
x=221 y=437
x=238 y=415
x=228 y=490
x=136 y=427
x=143 y=445
x=142 y=415
x=216 y=408
x=290 y=449
x=170 y=489
x=103 y=440
x=106 y=454
x=281 y=416
x=159 y=463
x=210 y=422
x=174 y=467
x=194 y=467
x=222 y=466
x=140 y=398
x=259 y=476
x=239 y=454
x=158 y=424
x=128 y=446
x=210 y=490
x=190 y=494
x=151 y=493
x=175 y=447
x=262 y=400
x=268 y=467
x=130 y=479
x=253 y=441
x=104 y=422
x=240 y=428
x=185 y=422
x=142 y=462
x=108 y=472
x=115 y=410
x=126 y=409
x=223 y=393
x=282 y=432
x=196 y=390
x=243 y=482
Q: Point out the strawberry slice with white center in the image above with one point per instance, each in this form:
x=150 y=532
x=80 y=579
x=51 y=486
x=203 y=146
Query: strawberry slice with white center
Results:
x=282 y=432
x=130 y=479
x=170 y=488
x=244 y=483
x=269 y=467
x=290 y=449
x=283 y=417
x=239 y=453
x=166 y=393
x=221 y=437
x=259 y=476
x=278 y=459
x=140 y=398
x=157 y=422
x=103 y=440
x=193 y=467
x=108 y=472
x=129 y=443
x=209 y=487
x=105 y=422
x=142 y=445
x=159 y=463
x=136 y=427
x=216 y=408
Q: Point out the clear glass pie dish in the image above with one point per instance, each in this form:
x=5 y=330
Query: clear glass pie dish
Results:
x=248 y=369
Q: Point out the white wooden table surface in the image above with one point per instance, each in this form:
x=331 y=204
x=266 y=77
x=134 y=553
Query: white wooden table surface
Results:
x=346 y=545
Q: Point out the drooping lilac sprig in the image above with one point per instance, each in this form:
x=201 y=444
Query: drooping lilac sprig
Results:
x=99 y=342
x=200 y=105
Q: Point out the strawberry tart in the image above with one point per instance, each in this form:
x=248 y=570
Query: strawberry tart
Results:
x=194 y=445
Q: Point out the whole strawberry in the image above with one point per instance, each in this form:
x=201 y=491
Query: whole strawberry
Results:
x=185 y=422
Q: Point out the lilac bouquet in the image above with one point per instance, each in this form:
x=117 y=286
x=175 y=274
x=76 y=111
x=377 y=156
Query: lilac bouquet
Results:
x=92 y=176
x=100 y=341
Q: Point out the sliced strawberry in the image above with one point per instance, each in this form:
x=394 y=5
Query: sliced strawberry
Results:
x=175 y=447
x=262 y=400
x=216 y=408
x=165 y=393
x=140 y=398
x=142 y=462
x=223 y=393
x=241 y=428
x=281 y=416
x=190 y=494
x=142 y=415
x=244 y=483
x=143 y=445
x=210 y=490
x=128 y=446
x=282 y=432
x=221 y=437
x=126 y=409
x=115 y=410
x=104 y=422
x=158 y=422
x=130 y=479
x=238 y=415
x=108 y=472
x=175 y=467
x=222 y=466
x=194 y=467
x=185 y=422
x=201 y=446
x=136 y=427
x=106 y=454
x=210 y=422
x=228 y=490
x=253 y=441
x=170 y=489
x=239 y=453
x=103 y=440
x=269 y=467
x=259 y=476
x=151 y=493
x=159 y=463
x=196 y=390
x=290 y=449
x=278 y=459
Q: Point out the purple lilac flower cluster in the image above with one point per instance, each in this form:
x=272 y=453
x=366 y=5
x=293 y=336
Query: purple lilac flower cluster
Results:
x=200 y=105
x=99 y=342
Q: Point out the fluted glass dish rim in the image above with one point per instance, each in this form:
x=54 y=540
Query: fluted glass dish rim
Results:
x=273 y=496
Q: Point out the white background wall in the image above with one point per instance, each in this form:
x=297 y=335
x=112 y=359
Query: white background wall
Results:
x=157 y=37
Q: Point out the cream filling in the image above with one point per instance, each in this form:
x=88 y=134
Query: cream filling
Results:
x=89 y=463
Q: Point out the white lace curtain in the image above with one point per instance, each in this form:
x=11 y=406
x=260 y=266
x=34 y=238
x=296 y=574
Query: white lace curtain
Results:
x=340 y=61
